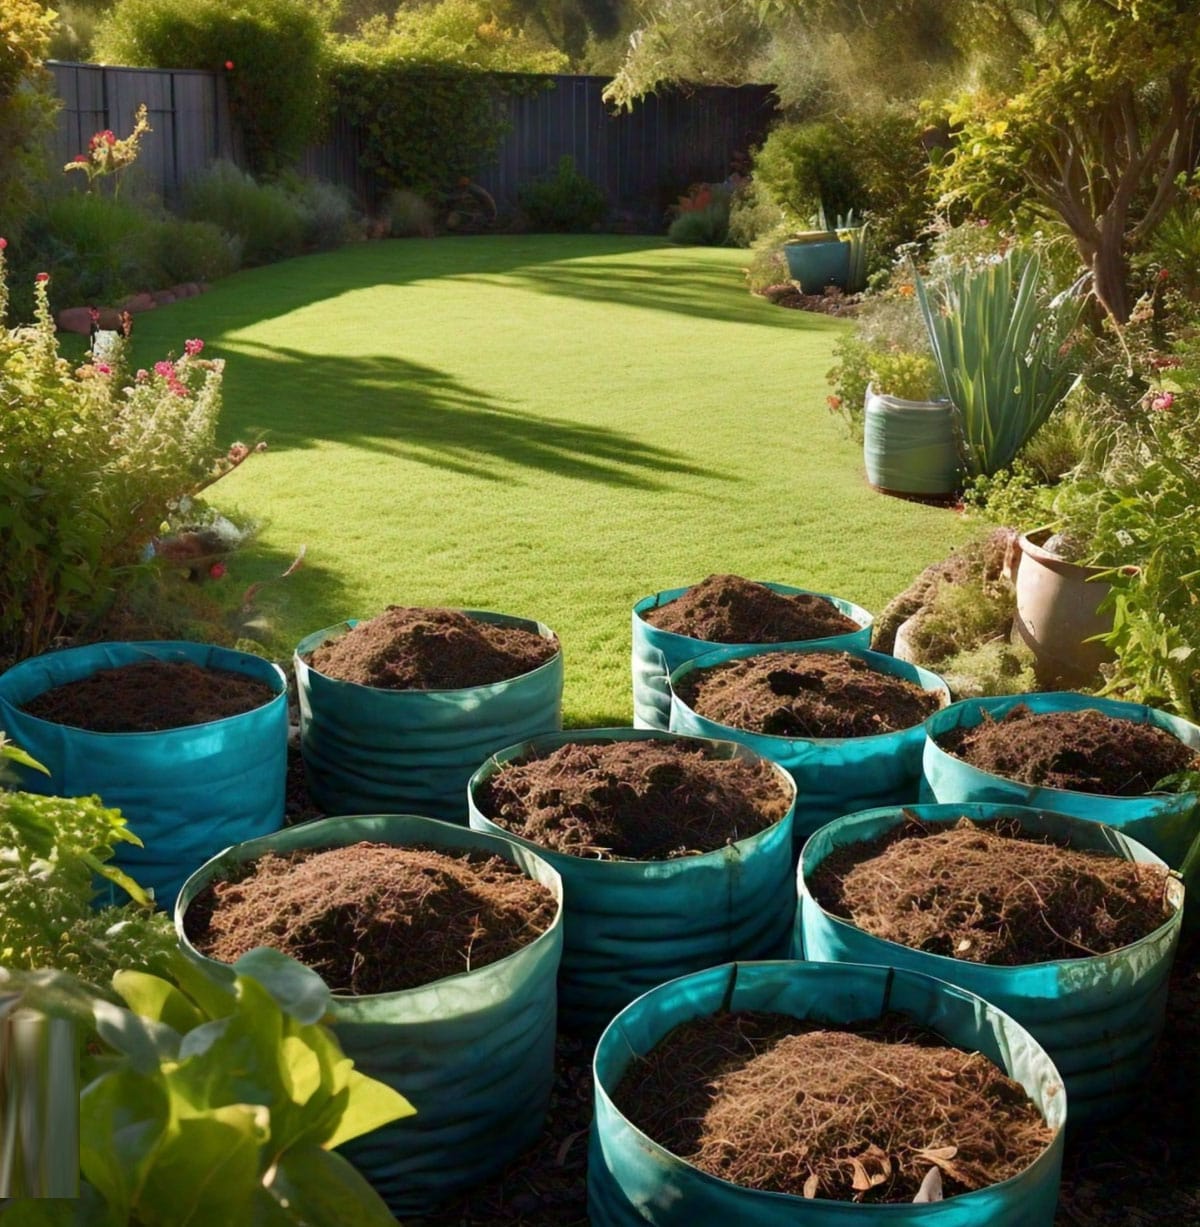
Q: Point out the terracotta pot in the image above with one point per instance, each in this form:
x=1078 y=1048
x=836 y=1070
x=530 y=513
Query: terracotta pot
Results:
x=1057 y=613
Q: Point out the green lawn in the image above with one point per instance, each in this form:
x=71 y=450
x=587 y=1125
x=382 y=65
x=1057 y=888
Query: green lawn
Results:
x=546 y=426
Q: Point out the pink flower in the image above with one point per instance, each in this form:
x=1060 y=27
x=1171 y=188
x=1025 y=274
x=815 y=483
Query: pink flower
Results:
x=102 y=368
x=165 y=369
x=42 y=277
x=238 y=452
x=3 y=244
x=217 y=570
x=93 y=314
x=142 y=375
x=178 y=388
x=1163 y=401
x=193 y=347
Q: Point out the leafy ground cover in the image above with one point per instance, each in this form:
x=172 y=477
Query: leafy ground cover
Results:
x=550 y=426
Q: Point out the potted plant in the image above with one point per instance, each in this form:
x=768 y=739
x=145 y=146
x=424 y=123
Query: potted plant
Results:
x=817 y=257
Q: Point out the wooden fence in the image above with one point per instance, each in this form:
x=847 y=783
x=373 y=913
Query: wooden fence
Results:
x=642 y=159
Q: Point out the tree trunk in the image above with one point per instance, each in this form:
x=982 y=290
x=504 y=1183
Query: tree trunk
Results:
x=1109 y=275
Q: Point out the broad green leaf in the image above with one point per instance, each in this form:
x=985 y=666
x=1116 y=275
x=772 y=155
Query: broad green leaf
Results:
x=211 y=988
x=301 y=1069
x=124 y=1119
x=324 y=1190
x=144 y=1042
x=299 y=991
x=156 y=999
x=372 y=1104
x=119 y=876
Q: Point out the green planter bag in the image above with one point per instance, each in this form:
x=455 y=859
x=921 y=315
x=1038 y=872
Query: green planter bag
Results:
x=633 y=1181
x=369 y=750
x=1097 y=1017
x=473 y=1053
x=629 y=925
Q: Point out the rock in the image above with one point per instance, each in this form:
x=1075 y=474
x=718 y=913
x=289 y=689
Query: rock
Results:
x=74 y=319
x=163 y=298
x=139 y=302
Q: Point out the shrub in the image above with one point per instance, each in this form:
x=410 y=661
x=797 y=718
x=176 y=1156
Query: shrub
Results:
x=269 y=222
x=270 y=50
x=326 y=208
x=192 y=251
x=566 y=201
x=810 y=166
x=752 y=214
x=702 y=218
x=90 y=467
x=408 y=215
x=768 y=265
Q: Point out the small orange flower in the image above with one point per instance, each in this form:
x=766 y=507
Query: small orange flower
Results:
x=907 y=290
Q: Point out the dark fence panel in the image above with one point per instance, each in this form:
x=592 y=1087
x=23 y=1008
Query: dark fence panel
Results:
x=643 y=159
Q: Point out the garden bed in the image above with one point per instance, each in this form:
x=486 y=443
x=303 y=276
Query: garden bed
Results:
x=633 y=800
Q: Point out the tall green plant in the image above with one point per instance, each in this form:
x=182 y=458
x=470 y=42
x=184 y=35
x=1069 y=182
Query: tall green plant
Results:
x=1005 y=355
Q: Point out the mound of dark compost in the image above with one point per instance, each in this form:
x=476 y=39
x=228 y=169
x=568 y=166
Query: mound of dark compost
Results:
x=730 y=609
x=856 y=1114
x=633 y=800
x=407 y=648
x=989 y=894
x=806 y=694
x=371 y=918
x=1083 y=751
x=148 y=697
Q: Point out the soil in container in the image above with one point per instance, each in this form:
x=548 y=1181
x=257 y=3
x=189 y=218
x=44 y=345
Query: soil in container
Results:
x=988 y=894
x=373 y=918
x=633 y=800
x=806 y=694
x=1083 y=751
x=730 y=609
x=408 y=648
x=853 y=1114
x=148 y=697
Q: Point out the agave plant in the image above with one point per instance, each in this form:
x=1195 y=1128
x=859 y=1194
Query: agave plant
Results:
x=1004 y=354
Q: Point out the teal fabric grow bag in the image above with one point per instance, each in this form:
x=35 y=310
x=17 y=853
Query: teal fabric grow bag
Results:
x=834 y=775
x=1098 y=1017
x=1167 y=823
x=473 y=1053
x=369 y=750
x=629 y=925
x=658 y=653
x=816 y=265
x=187 y=792
x=632 y=1180
x=909 y=447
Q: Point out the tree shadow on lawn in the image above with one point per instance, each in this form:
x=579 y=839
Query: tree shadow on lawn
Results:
x=399 y=408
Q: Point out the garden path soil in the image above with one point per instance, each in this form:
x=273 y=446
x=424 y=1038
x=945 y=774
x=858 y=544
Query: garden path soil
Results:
x=1084 y=751
x=854 y=1114
x=150 y=696
x=985 y=894
x=633 y=800
x=1138 y=1171
x=408 y=648
x=806 y=694
x=371 y=918
x=730 y=609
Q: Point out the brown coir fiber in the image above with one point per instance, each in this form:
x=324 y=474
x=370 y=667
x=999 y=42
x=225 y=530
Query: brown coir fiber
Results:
x=988 y=894
x=730 y=609
x=1084 y=751
x=149 y=696
x=633 y=800
x=431 y=649
x=371 y=918
x=806 y=694
x=856 y=1114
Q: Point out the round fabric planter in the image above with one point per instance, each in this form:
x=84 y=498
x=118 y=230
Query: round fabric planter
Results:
x=473 y=1053
x=632 y=1180
x=1166 y=823
x=658 y=653
x=1097 y=1017
x=186 y=792
x=371 y=750
x=834 y=775
x=630 y=925
x=909 y=446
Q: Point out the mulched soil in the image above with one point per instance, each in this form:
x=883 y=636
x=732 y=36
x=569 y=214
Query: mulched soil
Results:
x=833 y=302
x=816 y=694
x=371 y=918
x=730 y=609
x=855 y=1114
x=633 y=800
x=1084 y=751
x=408 y=648
x=987 y=894
x=149 y=696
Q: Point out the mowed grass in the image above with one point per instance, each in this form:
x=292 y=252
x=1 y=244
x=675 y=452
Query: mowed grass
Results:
x=546 y=426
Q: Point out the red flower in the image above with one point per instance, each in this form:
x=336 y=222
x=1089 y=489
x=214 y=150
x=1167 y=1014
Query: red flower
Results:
x=3 y=244
x=102 y=368
x=81 y=157
x=217 y=570
x=1163 y=274
x=229 y=65
x=42 y=277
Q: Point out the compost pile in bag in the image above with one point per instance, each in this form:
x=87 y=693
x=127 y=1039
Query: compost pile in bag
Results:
x=634 y=800
x=806 y=694
x=855 y=1114
x=986 y=894
x=1084 y=751
x=149 y=696
x=372 y=918
x=408 y=648
x=730 y=609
